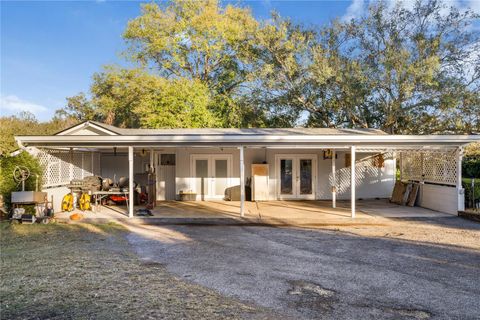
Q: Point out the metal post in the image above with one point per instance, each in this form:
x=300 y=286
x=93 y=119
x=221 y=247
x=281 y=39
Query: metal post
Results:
x=151 y=168
x=352 y=181
x=242 y=182
x=460 y=190
x=130 y=182
x=334 y=181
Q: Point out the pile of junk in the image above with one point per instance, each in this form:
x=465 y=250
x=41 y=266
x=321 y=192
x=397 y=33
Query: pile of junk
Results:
x=108 y=192
x=27 y=206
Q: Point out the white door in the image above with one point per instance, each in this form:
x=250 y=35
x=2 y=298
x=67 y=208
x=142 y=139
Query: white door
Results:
x=296 y=176
x=166 y=177
x=211 y=175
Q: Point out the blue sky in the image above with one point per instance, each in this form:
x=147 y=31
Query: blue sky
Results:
x=50 y=50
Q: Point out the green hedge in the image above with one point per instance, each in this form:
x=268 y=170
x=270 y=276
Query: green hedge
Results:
x=8 y=184
x=471 y=167
x=467 y=185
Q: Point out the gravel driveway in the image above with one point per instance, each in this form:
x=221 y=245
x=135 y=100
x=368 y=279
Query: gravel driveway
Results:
x=401 y=270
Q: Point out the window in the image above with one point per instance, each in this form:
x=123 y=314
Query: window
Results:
x=167 y=159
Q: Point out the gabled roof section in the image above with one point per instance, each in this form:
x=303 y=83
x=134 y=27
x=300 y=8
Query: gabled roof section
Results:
x=89 y=128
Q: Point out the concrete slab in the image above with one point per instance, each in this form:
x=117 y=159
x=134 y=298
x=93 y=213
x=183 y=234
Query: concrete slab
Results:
x=269 y=212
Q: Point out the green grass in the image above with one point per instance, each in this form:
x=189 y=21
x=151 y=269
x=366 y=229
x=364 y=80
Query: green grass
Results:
x=86 y=271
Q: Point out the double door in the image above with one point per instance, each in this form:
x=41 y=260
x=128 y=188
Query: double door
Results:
x=211 y=174
x=296 y=176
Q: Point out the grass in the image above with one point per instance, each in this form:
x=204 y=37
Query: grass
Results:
x=82 y=271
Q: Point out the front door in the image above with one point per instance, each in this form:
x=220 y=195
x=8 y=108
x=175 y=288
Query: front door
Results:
x=166 y=176
x=296 y=176
x=211 y=174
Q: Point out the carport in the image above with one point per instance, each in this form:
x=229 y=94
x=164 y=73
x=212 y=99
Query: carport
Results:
x=434 y=161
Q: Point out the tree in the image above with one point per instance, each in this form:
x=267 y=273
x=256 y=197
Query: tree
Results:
x=135 y=98
x=25 y=123
x=196 y=40
x=198 y=63
x=79 y=108
x=413 y=58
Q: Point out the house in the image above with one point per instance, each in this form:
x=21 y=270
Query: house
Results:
x=287 y=163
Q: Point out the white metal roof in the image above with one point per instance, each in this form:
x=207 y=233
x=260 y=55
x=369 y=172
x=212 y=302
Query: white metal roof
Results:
x=109 y=136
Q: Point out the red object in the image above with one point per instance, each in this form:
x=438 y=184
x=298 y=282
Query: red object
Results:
x=119 y=198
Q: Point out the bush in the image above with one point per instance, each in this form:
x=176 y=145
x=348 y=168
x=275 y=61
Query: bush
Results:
x=467 y=185
x=8 y=184
x=471 y=167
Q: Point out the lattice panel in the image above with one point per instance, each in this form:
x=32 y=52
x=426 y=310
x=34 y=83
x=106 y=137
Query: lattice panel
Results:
x=61 y=166
x=434 y=167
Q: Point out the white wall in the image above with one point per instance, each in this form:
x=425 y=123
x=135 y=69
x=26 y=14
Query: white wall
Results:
x=439 y=198
x=111 y=164
x=58 y=193
x=183 y=169
x=371 y=182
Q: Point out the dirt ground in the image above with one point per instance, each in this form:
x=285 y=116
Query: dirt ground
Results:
x=89 y=272
x=379 y=268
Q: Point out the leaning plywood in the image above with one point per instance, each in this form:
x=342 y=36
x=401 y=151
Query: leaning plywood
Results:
x=412 y=197
x=398 y=192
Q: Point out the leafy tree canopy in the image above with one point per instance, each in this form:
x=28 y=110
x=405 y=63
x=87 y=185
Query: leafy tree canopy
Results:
x=198 y=64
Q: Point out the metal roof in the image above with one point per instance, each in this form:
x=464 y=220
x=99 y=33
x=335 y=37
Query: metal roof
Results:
x=227 y=131
x=254 y=137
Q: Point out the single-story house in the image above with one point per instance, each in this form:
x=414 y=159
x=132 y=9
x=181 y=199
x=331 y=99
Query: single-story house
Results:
x=277 y=163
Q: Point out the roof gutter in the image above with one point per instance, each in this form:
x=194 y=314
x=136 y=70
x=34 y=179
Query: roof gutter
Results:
x=252 y=140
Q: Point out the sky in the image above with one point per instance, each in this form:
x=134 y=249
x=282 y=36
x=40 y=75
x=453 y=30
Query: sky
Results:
x=49 y=50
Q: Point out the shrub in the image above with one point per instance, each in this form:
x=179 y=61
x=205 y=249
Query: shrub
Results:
x=467 y=185
x=8 y=184
x=471 y=167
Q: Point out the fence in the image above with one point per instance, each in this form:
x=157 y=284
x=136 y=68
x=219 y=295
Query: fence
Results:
x=62 y=166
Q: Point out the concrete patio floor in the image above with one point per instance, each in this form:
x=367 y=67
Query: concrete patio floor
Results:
x=269 y=212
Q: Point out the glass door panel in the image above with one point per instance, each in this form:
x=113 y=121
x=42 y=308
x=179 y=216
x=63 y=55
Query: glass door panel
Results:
x=201 y=177
x=306 y=174
x=286 y=176
x=221 y=176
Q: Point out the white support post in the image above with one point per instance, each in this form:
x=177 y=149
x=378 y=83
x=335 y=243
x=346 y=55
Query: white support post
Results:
x=334 y=180
x=152 y=165
x=401 y=166
x=130 y=182
x=242 y=182
x=92 y=165
x=460 y=190
x=352 y=181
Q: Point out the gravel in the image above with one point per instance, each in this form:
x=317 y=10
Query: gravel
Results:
x=399 y=269
x=90 y=272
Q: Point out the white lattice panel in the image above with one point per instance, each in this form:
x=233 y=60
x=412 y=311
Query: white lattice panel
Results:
x=62 y=166
x=434 y=167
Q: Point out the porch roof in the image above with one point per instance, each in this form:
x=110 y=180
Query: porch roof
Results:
x=95 y=134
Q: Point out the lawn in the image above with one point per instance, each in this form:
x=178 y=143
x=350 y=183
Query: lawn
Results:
x=84 y=271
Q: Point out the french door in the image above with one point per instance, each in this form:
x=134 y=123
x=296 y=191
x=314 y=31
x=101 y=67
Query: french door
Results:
x=211 y=175
x=296 y=176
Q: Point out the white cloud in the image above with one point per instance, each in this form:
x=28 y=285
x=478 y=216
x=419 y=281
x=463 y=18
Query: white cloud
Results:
x=12 y=104
x=474 y=5
x=358 y=8
x=355 y=10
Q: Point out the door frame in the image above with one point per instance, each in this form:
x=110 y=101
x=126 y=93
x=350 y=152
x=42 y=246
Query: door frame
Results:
x=211 y=169
x=296 y=182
